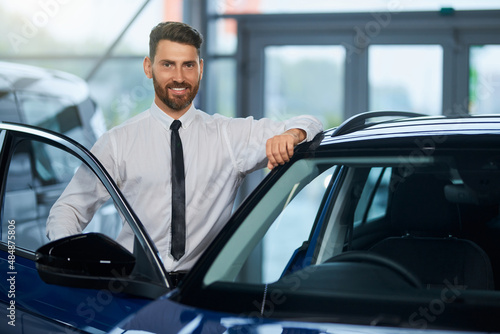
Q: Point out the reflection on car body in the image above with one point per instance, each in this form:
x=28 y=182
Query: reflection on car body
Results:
x=373 y=227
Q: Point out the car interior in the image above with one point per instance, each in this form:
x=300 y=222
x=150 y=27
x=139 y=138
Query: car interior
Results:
x=442 y=229
x=383 y=238
x=430 y=243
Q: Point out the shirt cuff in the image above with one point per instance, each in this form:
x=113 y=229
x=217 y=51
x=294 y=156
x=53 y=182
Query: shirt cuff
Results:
x=310 y=124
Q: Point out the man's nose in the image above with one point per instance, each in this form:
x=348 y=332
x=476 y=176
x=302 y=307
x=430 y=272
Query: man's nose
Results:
x=178 y=74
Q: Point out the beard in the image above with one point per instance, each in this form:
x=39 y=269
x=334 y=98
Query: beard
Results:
x=176 y=103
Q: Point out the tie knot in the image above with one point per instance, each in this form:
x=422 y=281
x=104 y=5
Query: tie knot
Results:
x=175 y=125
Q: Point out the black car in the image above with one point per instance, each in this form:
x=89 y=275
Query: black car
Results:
x=391 y=219
x=387 y=224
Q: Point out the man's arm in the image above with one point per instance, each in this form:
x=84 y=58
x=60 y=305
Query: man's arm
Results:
x=254 y=143
x=82 y=197
x=76 y=206
x=279 y=149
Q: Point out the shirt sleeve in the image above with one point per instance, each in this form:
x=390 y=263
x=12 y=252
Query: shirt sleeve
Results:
x=247 y=137
x=78 y=203
x=310 y=124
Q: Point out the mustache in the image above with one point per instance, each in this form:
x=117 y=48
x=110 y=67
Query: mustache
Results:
x=178 y=85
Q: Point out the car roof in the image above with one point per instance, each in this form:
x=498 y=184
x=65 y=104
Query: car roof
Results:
x=21 y=77
x=403 y=126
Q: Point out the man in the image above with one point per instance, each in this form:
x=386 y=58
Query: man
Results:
x=217 y=153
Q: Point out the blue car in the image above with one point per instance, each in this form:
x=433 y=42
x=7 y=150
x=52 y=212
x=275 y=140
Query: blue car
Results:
x=36 y=166
x=388 y=223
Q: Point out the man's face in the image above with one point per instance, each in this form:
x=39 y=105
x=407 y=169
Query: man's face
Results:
x=176 y=73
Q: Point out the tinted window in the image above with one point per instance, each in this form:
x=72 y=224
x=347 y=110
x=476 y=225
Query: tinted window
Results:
x=284 y=219
x=293 y=226
x=37 y=175
x=375 y=195
x=302 y=222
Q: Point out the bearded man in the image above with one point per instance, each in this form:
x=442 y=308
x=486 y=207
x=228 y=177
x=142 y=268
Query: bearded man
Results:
x=216 y=153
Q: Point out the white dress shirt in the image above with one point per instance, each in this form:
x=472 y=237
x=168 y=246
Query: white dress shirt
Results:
x=218 y=153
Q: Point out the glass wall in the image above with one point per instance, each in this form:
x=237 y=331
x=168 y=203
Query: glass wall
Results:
x=220 y=78
x=406 y=77
x=389 y=55
x=323 y=6
x=304 y=80
x=484 y=79
x=220 y=73
x=76 y=37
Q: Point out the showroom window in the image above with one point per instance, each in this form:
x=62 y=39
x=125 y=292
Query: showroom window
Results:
x=220 y=70
x=484 y=79
x=304 y=79
x=300 y=6
x=406 y=77
x=424 y=57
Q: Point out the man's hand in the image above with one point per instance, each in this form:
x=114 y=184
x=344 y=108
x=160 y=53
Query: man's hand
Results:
x=279 y=149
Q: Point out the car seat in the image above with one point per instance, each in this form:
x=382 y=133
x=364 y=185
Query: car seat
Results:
x=428 y=245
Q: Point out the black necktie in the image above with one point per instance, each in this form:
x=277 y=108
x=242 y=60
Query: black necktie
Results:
x=178 y=194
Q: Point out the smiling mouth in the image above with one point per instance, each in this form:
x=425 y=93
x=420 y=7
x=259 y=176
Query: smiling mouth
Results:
x=178 y=90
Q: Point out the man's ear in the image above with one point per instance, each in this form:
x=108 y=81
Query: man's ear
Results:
x=148 y=67
x=201 y=68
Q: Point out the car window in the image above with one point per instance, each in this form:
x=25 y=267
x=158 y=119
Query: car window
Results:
x=37 y=175
x=292 y=228
x=374 y=198
x=283 y=219
x=8 y=107
x=308 y=217
x=54 y=113
x=376 y=208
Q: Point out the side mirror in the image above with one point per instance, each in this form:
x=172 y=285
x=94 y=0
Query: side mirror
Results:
x=88 y=260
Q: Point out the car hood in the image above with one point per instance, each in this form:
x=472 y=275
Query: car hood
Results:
x=167 y=316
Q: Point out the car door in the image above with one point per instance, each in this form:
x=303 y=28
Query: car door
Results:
x=36 y=166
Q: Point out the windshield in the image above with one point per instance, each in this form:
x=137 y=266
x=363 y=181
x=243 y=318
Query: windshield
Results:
x=366 y=225
x=281 y=227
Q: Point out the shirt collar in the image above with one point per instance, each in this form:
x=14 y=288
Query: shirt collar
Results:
x=166 y=120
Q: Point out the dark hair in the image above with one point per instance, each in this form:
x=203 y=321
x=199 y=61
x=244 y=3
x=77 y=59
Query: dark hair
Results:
x=176 y=32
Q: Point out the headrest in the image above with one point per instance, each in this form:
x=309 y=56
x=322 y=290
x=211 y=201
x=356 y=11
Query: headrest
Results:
x=419 y=207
